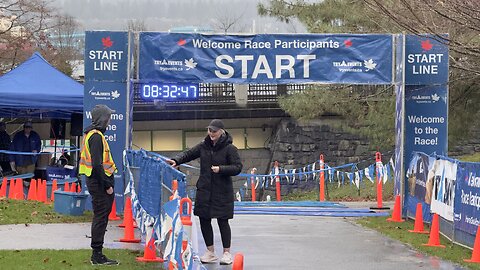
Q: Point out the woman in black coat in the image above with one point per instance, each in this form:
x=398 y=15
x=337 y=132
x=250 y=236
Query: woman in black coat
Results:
x=219 y=161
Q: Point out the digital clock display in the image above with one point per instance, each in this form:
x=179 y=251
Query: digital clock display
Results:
x=168 y=91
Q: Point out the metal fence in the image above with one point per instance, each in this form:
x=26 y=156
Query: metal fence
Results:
x=215 y=93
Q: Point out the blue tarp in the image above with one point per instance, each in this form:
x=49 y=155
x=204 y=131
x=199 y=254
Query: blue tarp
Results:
x=37 y=89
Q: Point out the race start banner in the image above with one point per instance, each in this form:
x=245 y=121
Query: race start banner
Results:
x=426 y=106
x=106 y=79
x=274 y=59
x=426 y=60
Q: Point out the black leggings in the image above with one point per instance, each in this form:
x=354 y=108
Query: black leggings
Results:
x=207 y=231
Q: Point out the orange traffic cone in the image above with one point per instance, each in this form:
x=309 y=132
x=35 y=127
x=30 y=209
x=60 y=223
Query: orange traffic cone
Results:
x=113 y=212
x=149 y=254
x=418 y=227
x=129 y=235
x=122 y=225
x=3 y=190
x=238 y=262
x=434 y=240
x=476 y=249
x=174 y=188
x=42 y=191
x=11 y=189
x=18 y=193
x=66 y=188
x=32 y=191
x=54 y=187
x=73 y=188
x=397 y=209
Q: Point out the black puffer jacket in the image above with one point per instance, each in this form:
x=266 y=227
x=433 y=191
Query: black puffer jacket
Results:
x=214 y=198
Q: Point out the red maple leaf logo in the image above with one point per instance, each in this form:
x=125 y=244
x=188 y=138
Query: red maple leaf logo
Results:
x=426 y=45
x=347 y=43
x=107 y=42
x=181 y=42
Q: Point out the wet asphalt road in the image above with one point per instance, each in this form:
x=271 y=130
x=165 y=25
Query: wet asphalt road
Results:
x=266 y=241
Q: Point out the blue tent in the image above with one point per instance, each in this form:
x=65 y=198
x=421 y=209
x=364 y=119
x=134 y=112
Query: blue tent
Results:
x=37 y=89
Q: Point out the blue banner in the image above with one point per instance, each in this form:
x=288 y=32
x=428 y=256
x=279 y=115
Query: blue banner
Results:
x=114 y=95
x=467 y=197
x=417 y=182
x=426 y=109
x=426 y=60
x=339 y=58
x=106 y=56
x=426 y=122
x=106 y=78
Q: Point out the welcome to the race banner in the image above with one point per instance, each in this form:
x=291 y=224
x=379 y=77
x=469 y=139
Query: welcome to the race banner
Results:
x=327 y=58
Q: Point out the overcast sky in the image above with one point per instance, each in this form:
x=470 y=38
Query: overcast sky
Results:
x=162 y=15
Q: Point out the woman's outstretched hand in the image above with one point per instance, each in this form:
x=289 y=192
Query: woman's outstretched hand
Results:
x=171 y=162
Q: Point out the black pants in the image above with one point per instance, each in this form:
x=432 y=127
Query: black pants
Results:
x=207 y=231
x=102 y=205
x=5 y=166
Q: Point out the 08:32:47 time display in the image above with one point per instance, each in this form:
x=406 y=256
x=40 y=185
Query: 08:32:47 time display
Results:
x=169 y=91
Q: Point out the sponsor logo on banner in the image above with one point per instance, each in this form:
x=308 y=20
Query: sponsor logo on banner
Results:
x=103 y=94
x=355 y=66
x=175 y=65
x=426 y=99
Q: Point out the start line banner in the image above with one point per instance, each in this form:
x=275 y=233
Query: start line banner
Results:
x=279 y=59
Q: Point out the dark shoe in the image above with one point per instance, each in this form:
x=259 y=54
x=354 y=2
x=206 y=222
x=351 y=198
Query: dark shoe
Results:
x=102 y=260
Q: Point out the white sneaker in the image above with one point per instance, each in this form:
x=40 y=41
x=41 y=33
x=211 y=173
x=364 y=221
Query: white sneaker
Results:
x=208 y=257
x=226 y=258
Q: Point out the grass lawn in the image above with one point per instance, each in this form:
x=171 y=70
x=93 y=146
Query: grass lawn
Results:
x=471 y=158
x=399 y=231
x=367 y=192
x=25 y=212
x=69 y=259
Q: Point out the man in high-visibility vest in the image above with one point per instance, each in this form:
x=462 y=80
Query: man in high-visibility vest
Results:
x=97 y=164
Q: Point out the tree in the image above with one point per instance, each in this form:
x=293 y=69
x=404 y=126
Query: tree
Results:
x=64 y=45
x=136 y=26
x=459 y=18
x=22 y=26
x=367 y=110
x=229 y=21
x=328 y=16
x=28 y=26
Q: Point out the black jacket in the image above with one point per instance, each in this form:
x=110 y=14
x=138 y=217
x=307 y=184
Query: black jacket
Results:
x=214 y=197
x=4 y=145
x=100 y=116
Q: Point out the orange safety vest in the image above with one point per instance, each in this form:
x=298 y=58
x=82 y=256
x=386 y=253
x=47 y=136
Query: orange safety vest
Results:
x=86 y=159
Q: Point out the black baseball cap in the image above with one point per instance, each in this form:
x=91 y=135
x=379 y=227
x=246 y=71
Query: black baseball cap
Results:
x=216 y=124
x=27 y=124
